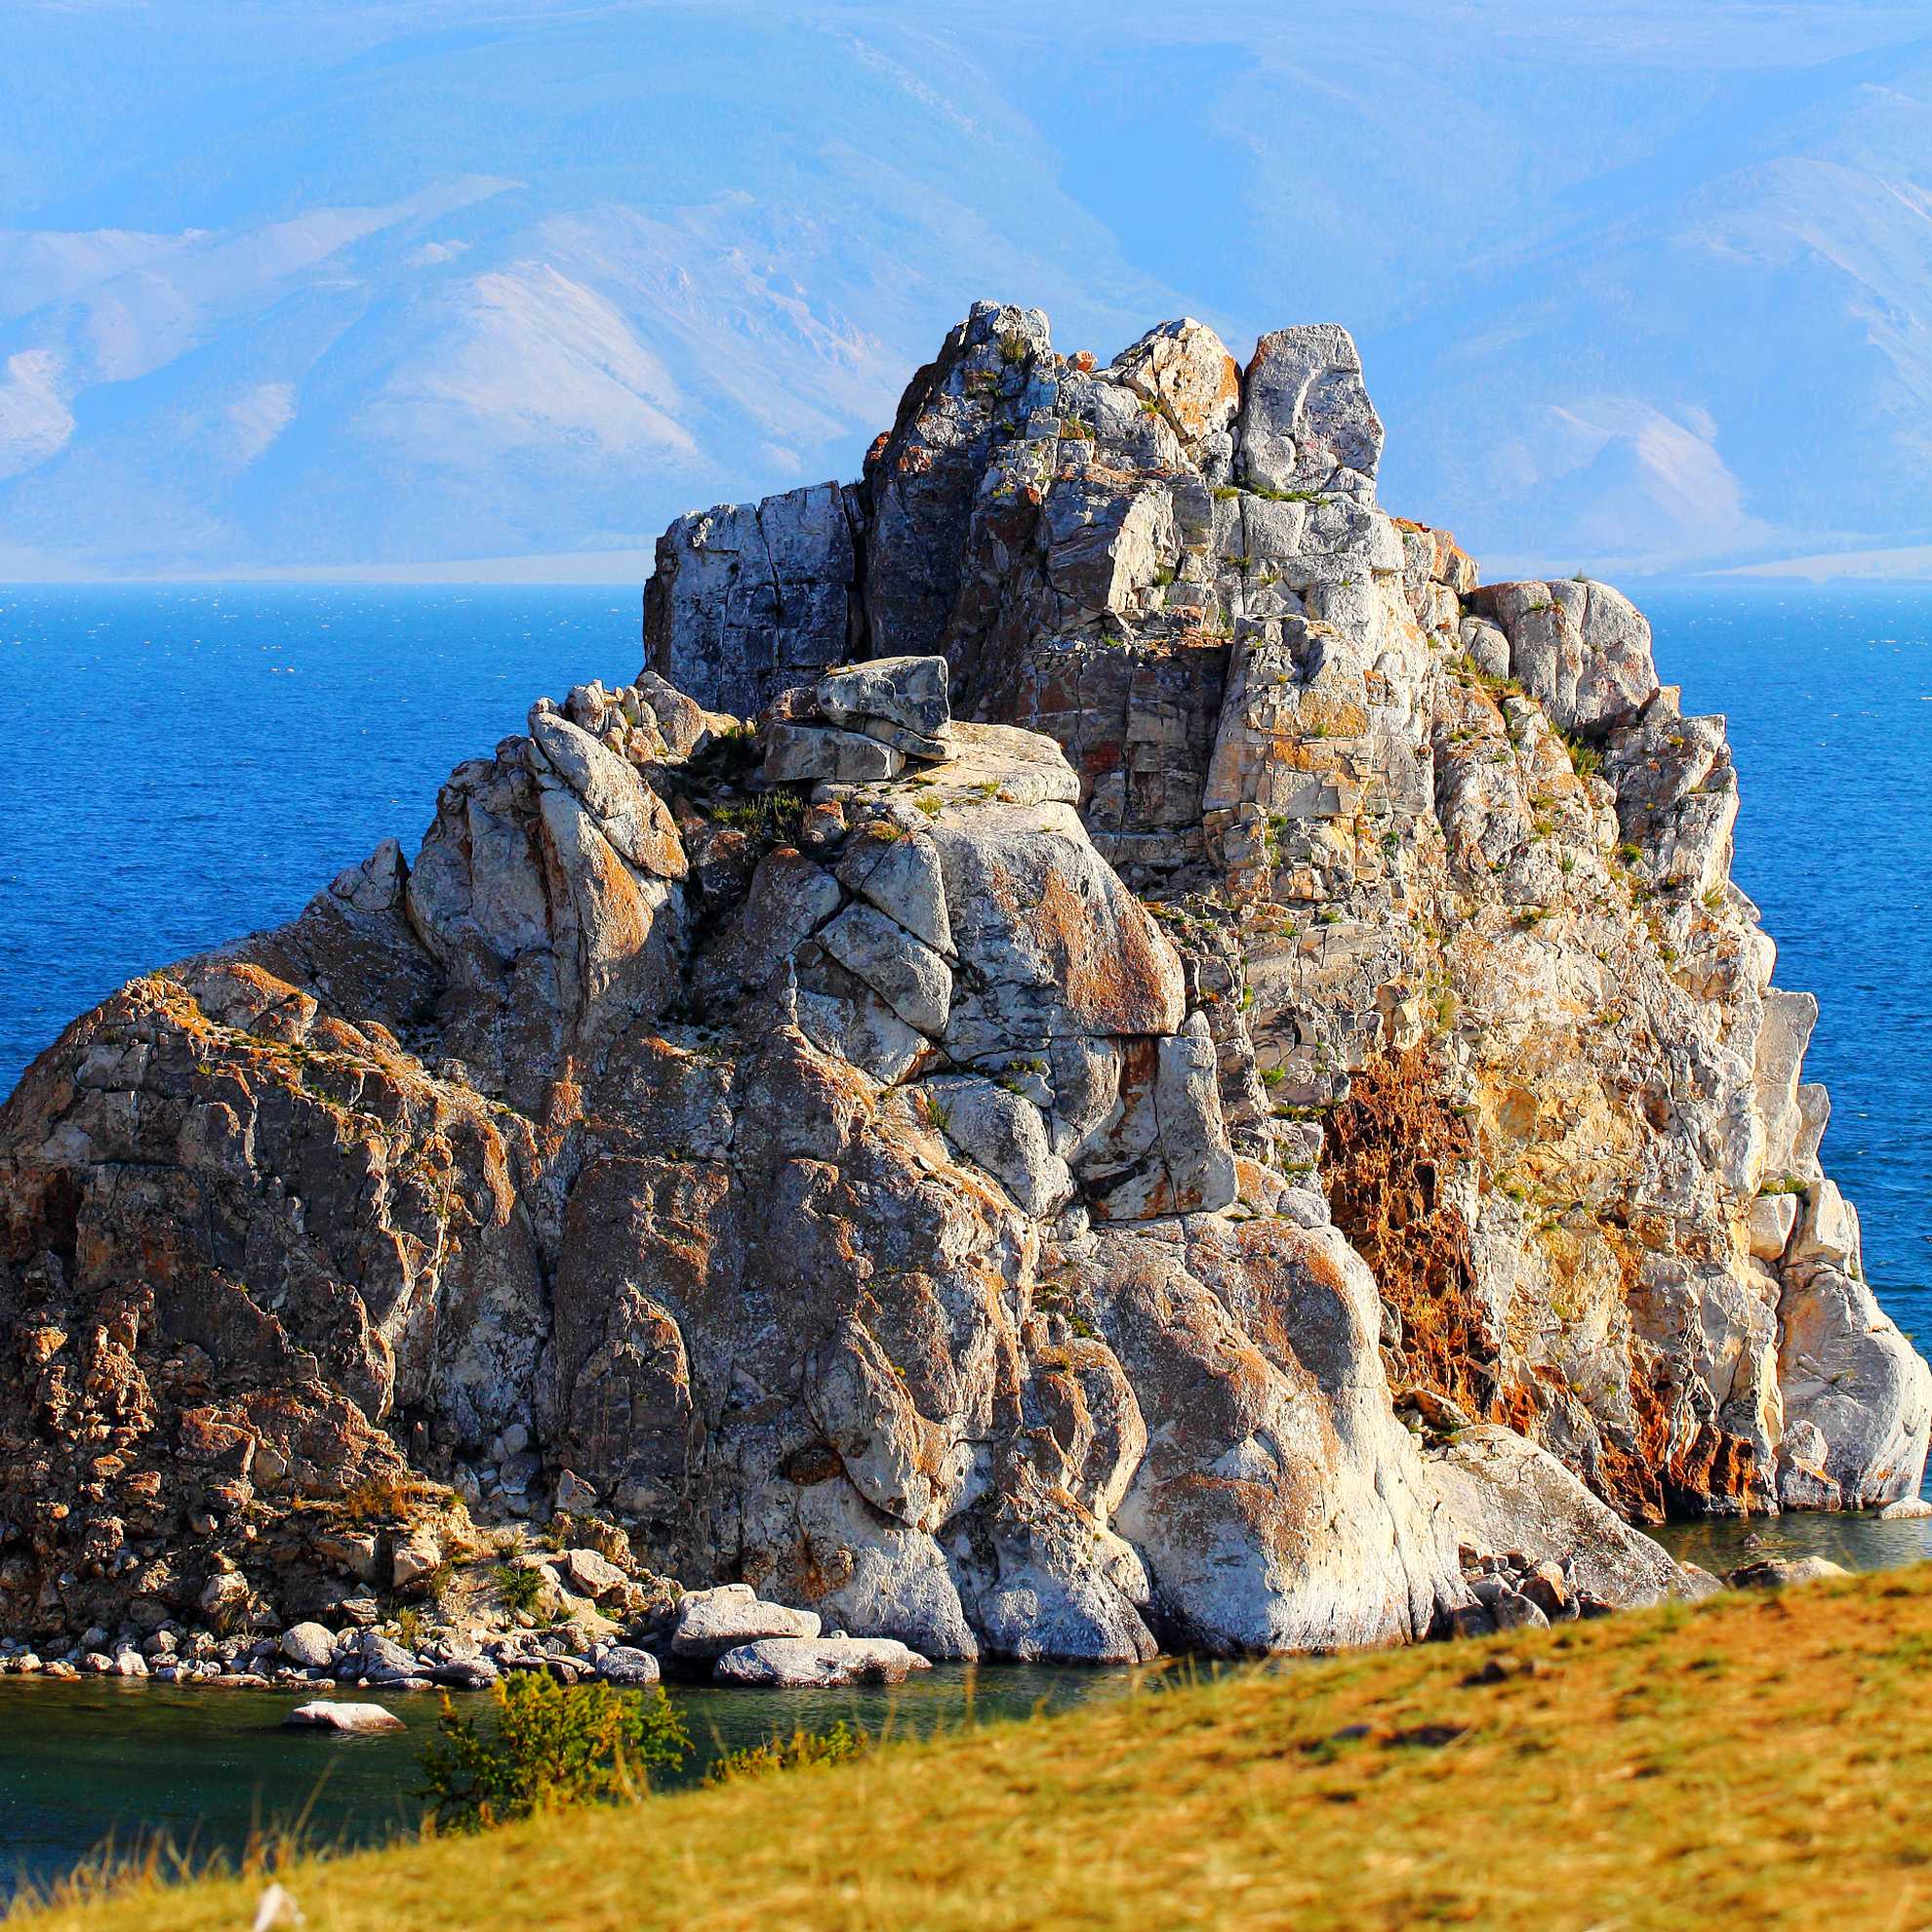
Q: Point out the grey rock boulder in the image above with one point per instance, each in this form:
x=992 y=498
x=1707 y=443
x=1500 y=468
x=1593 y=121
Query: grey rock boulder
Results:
x=1050 y=942
x=309 y=1645
x=377 y=884
x=1193 y=1138
x=908 y=692
x=628 y=1667
x=1004 y=1133
x=747 y=598
x=1580 y=648
x=1184 y=370
x=859 y=1026
x=711 y=1622
x=798 y=753
x=900 y=873
x=904 y=972
x=378 y=1657
x=471 y=1673
x=593 y=1575
x=1278 y=1505
x=352 y=1720
x=1306 y=421
x=1777 y=1573
x=1847 y=1371
x=1769 y=1222
x=632 y=817
x=1512 y=1610
x=789 y=896
x=924 y=477
x=817 y=1662
x=1503 y=1492
x=1487 y=645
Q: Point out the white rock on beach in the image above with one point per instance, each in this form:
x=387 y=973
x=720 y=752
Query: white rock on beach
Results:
x=1504 y=1493
x=711 y=1622
x=311 y=1645
x=817 y=1662
x=626 y=1665
x=324 y=1714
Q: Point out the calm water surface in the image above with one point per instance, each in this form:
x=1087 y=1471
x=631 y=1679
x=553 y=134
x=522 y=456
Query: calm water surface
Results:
x=83 y=1765
x=186 y=765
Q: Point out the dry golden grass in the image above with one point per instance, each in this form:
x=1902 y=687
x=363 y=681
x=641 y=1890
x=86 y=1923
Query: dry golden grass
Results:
x=1763 y=1759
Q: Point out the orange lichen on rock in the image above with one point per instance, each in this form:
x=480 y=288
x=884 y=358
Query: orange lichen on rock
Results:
x=1391 y=1146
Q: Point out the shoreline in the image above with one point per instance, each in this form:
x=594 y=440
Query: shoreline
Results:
x=1886 y=1539
x=1599 y=1757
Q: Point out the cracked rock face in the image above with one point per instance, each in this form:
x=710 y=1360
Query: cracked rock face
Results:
x=1105 y=1051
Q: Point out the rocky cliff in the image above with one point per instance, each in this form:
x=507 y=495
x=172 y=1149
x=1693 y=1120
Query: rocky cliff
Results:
x=1105 y=1050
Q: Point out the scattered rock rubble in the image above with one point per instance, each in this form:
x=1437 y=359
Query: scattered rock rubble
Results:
x=725 y=1634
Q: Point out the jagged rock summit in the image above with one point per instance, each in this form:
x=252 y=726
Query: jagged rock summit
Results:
x=1104 y=1051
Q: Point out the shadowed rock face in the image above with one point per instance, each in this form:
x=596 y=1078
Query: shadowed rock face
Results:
x=879 y=1157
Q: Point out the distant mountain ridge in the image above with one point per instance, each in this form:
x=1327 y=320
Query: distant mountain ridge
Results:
x=326 y=284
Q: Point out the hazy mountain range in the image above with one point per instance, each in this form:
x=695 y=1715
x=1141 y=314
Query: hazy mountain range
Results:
x=293 y=284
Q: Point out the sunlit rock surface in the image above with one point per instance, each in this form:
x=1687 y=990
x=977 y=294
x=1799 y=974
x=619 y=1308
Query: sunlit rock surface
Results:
x=1093 y=1129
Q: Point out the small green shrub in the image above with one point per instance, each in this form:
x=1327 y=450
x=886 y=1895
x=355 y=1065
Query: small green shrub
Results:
x=552 y=1744
x=1585 y=759
x=520 y=1588
x=801 y=1751
x=773 y=815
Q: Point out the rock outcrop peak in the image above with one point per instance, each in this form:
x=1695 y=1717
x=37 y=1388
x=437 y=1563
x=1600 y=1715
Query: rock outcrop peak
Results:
x=1105 y=1051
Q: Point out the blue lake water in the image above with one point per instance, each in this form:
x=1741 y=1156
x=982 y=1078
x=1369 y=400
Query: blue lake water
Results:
x=1829 y=694
x=188 y=765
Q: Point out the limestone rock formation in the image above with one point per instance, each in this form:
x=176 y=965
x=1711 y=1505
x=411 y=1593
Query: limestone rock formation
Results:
x=1104 y=1051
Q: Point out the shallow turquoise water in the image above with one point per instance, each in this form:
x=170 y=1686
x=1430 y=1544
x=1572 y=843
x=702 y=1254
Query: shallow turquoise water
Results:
x=1854 y=1543
x=86 y=1764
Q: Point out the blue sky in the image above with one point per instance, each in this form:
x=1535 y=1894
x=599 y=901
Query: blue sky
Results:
x=1639 y=287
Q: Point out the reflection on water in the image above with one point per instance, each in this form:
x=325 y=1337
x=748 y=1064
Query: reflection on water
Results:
x=1858 y=1542
x=81 y=1764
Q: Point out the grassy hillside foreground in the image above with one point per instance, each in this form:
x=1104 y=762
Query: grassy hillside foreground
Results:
x=1762 y=1760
